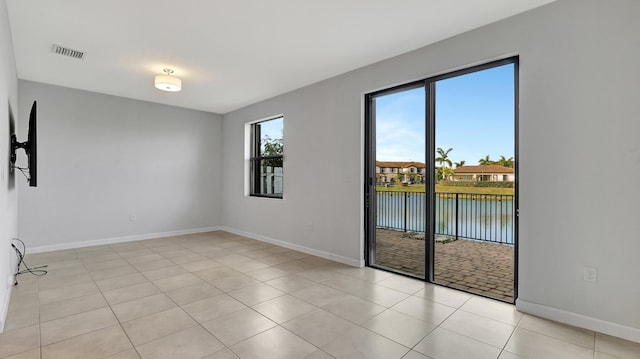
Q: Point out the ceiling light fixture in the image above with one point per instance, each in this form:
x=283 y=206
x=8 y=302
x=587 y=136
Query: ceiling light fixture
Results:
x=168 y=82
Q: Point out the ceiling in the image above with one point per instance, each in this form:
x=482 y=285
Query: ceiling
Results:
x=229 y=53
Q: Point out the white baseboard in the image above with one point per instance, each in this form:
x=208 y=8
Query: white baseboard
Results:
x=99 y=242
x=579 y=320
x=4 y=309
x=296 y=247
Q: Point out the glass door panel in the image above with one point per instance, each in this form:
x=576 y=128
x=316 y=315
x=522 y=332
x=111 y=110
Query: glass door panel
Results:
x=475 y=181
x=398 y=241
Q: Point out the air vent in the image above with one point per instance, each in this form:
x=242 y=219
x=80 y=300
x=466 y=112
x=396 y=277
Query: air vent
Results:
x=64 y=51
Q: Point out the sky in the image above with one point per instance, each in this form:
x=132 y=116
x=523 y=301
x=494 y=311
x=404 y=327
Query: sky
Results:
x=272 y=128
x=474 y=116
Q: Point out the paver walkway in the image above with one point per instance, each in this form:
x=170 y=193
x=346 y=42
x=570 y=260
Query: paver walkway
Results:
x=476 y=267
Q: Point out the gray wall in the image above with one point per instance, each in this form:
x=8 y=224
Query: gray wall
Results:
x=103 y=158
x=579 y=157
x=8 y=201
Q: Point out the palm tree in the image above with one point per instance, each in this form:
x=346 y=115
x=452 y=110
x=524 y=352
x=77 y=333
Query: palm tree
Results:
x=506 y=162
x=443 y=156
x=442 y=159
x=459 y=164
x=485 y=161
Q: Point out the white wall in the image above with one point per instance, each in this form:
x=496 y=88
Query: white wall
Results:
x=320 y=209
x=8 y=206
x=579 y=120
x=103 y=158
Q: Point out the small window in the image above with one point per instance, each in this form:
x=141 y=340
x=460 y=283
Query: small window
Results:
x=267 y=149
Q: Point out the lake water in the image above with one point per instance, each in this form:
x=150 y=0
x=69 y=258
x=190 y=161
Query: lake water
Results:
x=478 y=217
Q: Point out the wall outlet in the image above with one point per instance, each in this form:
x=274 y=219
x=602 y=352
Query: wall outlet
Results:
x=590 y=274
x=132 y=218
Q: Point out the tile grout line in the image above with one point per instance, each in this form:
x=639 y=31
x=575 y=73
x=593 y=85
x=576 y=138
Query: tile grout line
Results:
x=111 y=309
x=197 y=323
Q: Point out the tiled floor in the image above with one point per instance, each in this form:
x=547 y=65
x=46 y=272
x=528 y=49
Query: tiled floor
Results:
x=218 y=295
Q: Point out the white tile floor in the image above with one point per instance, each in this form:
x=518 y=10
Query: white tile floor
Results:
x=218 y=295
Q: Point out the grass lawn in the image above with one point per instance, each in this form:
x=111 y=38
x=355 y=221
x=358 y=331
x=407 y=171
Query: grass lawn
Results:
x=448 y=189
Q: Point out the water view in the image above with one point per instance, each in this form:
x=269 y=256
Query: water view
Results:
x=457 y=216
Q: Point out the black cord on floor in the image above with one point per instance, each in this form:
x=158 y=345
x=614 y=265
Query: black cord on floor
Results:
x=37 y=271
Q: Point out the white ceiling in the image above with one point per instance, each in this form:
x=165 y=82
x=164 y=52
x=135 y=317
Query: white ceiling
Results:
x=229 y=53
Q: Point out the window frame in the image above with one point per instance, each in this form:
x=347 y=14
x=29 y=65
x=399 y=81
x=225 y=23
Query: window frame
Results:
x=256 y=158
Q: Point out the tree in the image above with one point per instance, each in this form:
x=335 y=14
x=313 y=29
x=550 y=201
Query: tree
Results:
x=443 y=172
x=506 y=162
x=272 y=147
x=486 y=161
x=443 y=156
x=459 y=164
x=398 y=177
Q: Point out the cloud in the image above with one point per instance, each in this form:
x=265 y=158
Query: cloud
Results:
x=396 y=140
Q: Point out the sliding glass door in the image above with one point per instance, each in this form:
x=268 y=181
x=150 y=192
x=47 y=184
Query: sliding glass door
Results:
x=441 y=179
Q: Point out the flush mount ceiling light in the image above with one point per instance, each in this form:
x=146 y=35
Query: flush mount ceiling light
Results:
x=168 y=82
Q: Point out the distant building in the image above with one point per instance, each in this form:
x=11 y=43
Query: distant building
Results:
x=484 y=173
x=399 y=172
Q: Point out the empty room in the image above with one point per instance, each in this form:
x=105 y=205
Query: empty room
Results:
x=319 y=179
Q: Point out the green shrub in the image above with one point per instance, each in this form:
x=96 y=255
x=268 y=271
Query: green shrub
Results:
x=476 y=184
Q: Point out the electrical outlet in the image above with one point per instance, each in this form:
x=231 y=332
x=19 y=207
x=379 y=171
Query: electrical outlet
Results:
x=590 y=274
x=132 y=218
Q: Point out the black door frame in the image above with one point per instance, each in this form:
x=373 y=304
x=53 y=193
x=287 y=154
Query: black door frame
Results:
x=370 y=165
x=430 y=119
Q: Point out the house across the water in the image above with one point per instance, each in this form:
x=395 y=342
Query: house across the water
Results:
x=484 y=173
x=399 y=172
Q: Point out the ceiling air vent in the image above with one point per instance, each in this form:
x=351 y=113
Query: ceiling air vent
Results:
x=64 y=51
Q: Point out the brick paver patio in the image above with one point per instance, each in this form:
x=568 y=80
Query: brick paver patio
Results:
x=476 y=267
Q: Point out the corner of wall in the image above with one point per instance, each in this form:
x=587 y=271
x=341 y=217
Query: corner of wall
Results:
x=295 y=247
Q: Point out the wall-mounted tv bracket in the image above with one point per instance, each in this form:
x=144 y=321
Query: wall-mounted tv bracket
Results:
x=14 y=148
